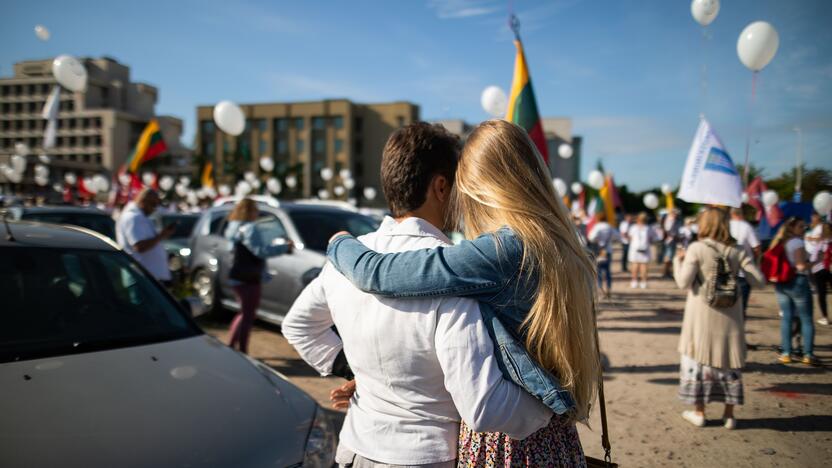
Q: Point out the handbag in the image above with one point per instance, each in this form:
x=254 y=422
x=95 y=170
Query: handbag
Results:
x=721 y=290
x=246 y=267
x=605 y=436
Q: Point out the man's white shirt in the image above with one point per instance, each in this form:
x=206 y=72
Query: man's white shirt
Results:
x=134 y=226
x=419 y=364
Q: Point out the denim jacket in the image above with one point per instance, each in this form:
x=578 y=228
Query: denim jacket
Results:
x=487 y=269
x=247 y=234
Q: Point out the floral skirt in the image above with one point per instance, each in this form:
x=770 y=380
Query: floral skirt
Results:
x=703 y=384
x=556 y=445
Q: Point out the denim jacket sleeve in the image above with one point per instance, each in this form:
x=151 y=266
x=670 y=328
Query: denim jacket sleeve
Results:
x=250 y=236
x=478 y=269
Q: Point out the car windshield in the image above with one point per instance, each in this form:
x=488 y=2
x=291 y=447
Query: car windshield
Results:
x=316 y=227
x=99 y=223
x=184 y=225
x=67 y=301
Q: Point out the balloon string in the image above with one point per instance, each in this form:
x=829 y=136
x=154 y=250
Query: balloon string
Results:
x=748 y=127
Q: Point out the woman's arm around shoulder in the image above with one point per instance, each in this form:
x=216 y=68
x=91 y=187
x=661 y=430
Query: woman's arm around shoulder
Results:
x=752 y=273
x=479 y=268
x=686 y=265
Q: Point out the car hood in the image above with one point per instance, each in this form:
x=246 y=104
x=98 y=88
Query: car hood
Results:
x=191 y=402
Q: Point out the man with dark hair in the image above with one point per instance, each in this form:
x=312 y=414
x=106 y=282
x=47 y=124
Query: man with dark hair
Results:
x=420 y=365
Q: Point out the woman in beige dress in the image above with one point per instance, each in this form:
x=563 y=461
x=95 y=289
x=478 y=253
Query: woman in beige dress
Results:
x=712 y=344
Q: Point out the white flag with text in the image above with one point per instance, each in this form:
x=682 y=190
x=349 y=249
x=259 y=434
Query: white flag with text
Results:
x=50 y=113
x=710 y=176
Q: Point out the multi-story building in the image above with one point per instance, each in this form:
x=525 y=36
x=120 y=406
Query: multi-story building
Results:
x=97 y=129
x=303 y=138
x=558 y=130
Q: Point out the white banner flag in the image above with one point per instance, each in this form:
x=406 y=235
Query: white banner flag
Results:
x=50 y=113
x=710 y=176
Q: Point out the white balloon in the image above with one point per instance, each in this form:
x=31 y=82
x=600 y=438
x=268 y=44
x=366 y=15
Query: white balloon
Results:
x=565 y=150
x=744 y=197
x=14 y=177
x=704 y=11
x=200 y=192
x=89 y=185
x=369 y=193
x=250 y=176
x=21 y=149
x=210 y=192
x=494 y=101
x=757 y=45
x=770 y=198
x=822 y=202
x=57 y=187
x=185 y=180
x=124 y=179
x=181 y=190
x=577 y=188
x=229 y=118
x=651 y=201
x=345 y=174
x=326 y=173
x=242 y=189
x=70 y=73
x=166 y=183
x=255 y=184
x=339 y=191
x=44 y=158
x=267 y=163
x=192 y=198
x=147 y=178
x=666 y=188
x=596 y=180
x=224 y=190
x=41 y=180
x=101 y=183
x=323 y=194
x=273 y=185
x=560 y=186
x=291 y=181
x=41 y=170
x=70 y=178
x=18 y=163
x=349 y=184
x=41 y=32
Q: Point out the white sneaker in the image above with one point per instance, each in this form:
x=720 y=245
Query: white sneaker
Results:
x=642 y=285
x=730 y=423
x=823 y=321
x=633 y=284
x=693 y=418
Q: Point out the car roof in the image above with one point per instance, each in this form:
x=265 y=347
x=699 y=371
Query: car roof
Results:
x=32 y=234
x=291 y=207
x=65 y=209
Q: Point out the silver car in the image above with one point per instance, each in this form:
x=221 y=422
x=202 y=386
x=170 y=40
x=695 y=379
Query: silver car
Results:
x=100 y=366
x=309 y=226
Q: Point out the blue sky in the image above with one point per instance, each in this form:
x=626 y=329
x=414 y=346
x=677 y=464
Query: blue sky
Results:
x=627 y=71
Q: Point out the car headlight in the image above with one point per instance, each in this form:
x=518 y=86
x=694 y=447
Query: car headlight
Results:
x=184 y=251
x=174 y=263
x=320 y=443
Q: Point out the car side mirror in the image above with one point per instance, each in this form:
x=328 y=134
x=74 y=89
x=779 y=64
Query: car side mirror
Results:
x=192 y=306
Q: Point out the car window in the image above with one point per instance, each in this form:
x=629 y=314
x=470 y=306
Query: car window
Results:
x=270 y=227
x=315 y=228
x=99 y=223
x=218 y=223
x=68 y=301
x=184 y=225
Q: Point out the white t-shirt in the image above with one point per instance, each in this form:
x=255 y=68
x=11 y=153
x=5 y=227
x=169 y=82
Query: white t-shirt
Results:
x=134 y=226
x=744 y=234
x=792 y=245
x=602 y=234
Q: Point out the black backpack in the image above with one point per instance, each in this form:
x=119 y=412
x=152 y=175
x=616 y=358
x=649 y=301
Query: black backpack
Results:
x=721 y=290
x=246 y=267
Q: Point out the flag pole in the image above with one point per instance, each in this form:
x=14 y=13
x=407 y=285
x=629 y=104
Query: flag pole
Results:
x=514 y=25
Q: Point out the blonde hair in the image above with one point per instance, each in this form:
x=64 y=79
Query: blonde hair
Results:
x=501 y=181
x=785 y=232
x=244 y=210
x=713 y=224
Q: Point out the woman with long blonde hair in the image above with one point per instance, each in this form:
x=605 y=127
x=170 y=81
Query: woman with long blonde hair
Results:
x=535 y=282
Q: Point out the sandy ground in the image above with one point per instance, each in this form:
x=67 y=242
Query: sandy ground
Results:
x=786 y=420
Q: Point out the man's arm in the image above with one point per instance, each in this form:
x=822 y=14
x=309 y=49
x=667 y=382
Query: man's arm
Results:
x=308 y=327
x=141 y=238
x=485 y=400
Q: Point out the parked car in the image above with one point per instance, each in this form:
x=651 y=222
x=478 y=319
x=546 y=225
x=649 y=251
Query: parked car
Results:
x=309 y=226
x=100 y=366
x=86 y=217
x=176 y=245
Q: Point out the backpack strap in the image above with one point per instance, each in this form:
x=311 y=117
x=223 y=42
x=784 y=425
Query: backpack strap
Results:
x=605 y=436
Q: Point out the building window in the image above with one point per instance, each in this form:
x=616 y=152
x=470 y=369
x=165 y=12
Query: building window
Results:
x=261 y=125
x=71 y=141
x=282 y=148
x=4 y=90
x=281 y=125
x=72 y=157
x=5 y=108
x=105 y=96
x=339 y=145
x=86 y=158
x=207 y=135
x=400 y=121
x=44 y=88
x=338 y=122
x=358 y=124
x=33 y=107
x=358 y=147
x=97 y=122
x=70 y=123
x=18 y=107
x=319 y=146
x=6 y=125
x=85 y=123
x=262 y=147
x=318 y=123
x=98 y=159
x=299 y=145
x=97 y=140
x=280 y=142
x=298 y=123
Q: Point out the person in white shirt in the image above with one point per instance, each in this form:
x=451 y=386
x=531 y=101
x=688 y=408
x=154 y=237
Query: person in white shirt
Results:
x=136 y=234
x=600 y=239
x=641 y=237
x=746 y=238
x=817 y=243
x=624 y=229
x=420 y=365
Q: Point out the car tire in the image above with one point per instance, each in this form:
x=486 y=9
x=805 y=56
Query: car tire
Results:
x=205 y=289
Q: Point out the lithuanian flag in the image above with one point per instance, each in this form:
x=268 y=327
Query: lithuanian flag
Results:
x=522 y=106
x=608 y=195
x=151 y=144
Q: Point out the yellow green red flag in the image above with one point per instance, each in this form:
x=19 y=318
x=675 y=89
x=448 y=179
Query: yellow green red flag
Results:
x=522 y=105
x=150 y=145
x=208 y=175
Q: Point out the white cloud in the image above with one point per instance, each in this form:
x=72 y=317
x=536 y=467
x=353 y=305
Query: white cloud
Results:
x=295 y=87
x=454 y=9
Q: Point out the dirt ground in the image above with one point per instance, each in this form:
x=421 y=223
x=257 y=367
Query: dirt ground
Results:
x=786 y=420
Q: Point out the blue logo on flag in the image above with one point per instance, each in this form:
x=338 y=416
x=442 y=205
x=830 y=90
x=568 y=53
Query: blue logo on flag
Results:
x=719 y=161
